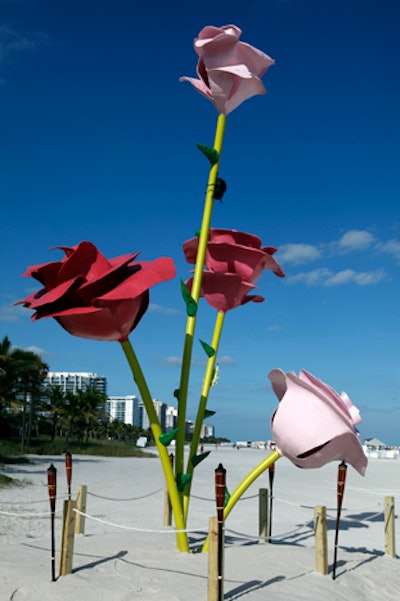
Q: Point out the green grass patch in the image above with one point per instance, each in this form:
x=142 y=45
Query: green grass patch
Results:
x=7 y=481
x=10 y=450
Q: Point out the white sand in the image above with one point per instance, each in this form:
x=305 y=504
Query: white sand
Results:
x=143 y=563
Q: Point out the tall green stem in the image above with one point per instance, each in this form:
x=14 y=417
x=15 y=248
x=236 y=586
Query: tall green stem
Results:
x=245 y=483
x=195 y=292
x=219 y=322
x=139 y=378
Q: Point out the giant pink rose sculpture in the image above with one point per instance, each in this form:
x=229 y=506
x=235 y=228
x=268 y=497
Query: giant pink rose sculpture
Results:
x=94 y=297
x=313 y=424
x=234 y=261
x=229 y=71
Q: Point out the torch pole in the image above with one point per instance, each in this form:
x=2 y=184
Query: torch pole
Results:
x=342 y=469
x=52 y=488
x=220 y=489
x=68 y=469
x=271 y=474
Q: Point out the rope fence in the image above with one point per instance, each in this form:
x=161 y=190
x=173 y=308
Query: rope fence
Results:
x=75 y=514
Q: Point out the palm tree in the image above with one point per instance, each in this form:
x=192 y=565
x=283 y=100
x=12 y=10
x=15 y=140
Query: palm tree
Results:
x=21 y=379
x=84 y=410
x=55 y=404
x=30 y=372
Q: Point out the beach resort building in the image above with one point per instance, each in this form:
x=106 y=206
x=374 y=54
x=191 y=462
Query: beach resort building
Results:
x=74 y=381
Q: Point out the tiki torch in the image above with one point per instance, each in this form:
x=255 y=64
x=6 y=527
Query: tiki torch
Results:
x=271 y=474
x=220 y=489
x=52 y=487
x=68 y=469
x=340 y=492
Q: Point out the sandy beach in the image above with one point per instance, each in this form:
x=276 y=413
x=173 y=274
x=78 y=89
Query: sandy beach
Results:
x=127 y=554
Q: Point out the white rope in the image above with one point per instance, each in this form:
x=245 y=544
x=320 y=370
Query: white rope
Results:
x=29 y=515
x=92 y=494
x=275 y=537
x=164 y=531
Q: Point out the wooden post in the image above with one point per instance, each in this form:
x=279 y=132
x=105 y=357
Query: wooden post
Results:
x=167 y=500
x=390 y=544
x=67 y=540
x=81 y=506
x=263 y=513
x=213 y=580
x=321 y=547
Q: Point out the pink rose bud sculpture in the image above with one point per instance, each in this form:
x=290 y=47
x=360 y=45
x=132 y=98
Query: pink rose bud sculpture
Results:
x=229 y=71
x=313 y=424
x=94 y=297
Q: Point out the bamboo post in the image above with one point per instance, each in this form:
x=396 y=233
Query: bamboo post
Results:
x=68 y=469
x=81 y=506
x=213 y=580
x=67 y=541
x=263 y=528
x=390 y=544
x=341 y=481
x=321 y=547
x=220 y=490
x=167 y=499
x=52 y=488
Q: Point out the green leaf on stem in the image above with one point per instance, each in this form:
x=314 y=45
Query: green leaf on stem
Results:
x=227 y=497
x=196 y=459
x=176 y=393
x=191 y=305
x=182 y=480
x=210 y=352
x=211 y=154
x=167 y=437
x=208 y=413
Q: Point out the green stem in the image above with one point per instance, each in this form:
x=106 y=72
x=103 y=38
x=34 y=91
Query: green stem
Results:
x=195 y=292
x=219 y=322
x=182 y=541
x=245 y=483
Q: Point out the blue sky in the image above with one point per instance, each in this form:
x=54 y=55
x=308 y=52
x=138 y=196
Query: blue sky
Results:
x=98 y=142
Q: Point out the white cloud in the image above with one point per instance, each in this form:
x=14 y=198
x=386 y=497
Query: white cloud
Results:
x=12 y=42
x=226 y=360
x=356 y=240
x=391 y=247
x=349 y=276
x=311 y=278
x=10 y=312
x=171 y=361
x=154 y=308
x=326 y=277
x=298 y=253
x=38 y=351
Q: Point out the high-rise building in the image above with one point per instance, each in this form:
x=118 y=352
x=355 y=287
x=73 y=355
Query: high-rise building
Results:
x=124 y=409
x=171 y=416
x=160 y=408
x=74 y=381
x=207 y=431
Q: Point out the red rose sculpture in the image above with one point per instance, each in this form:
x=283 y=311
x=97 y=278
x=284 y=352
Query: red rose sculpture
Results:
x=234 y=261
x=229 y=71
x=94 y=297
